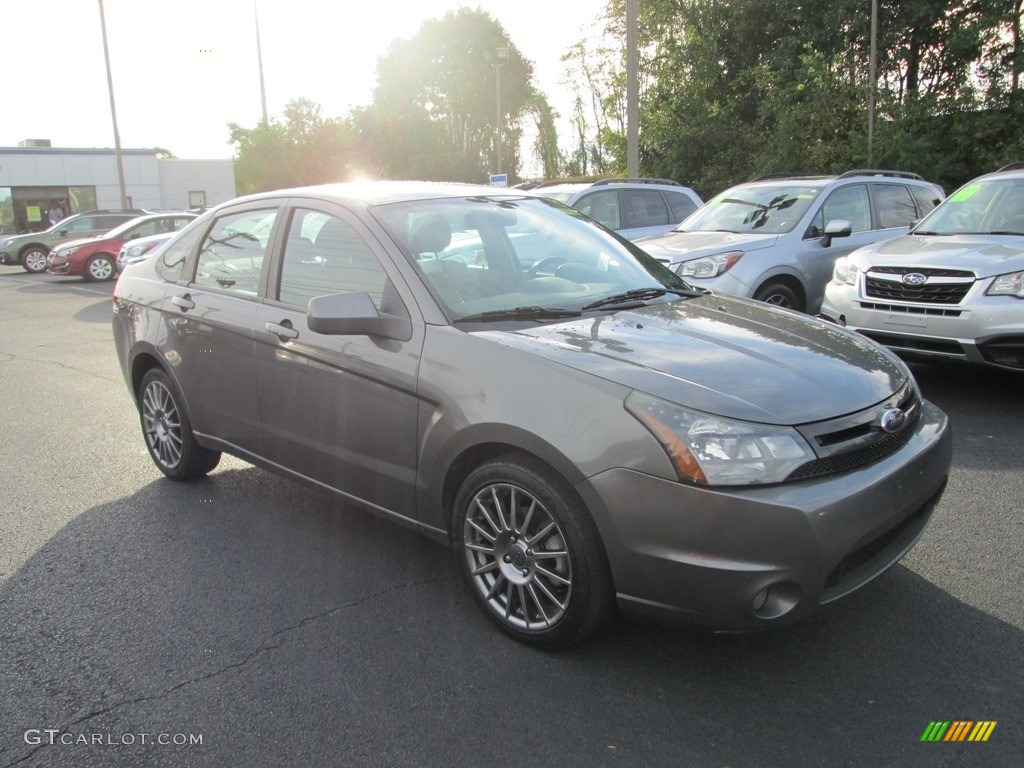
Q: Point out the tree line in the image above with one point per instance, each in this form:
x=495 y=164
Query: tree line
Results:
x=729 y=89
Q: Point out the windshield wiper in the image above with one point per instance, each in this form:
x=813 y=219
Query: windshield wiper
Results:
x=519 y=313
x=638 y=296
x=935 y=234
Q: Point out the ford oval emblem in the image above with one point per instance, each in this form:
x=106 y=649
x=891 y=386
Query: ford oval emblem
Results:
x=914 y=279
x=893 y=420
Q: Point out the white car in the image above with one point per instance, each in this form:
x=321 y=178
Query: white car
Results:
x=953 y=288
x=140 y=248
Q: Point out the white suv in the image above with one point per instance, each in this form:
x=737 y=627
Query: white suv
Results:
x=632 y=207
x=953 y=288
x=776 y=239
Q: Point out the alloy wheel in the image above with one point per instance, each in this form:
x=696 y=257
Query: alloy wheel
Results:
x=161 y=425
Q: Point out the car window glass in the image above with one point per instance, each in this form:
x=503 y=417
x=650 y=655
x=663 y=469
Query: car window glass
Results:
x=232 y=254
x=926 y=199
x=82 y=225
x=602 y=206
x=680 y=205
x=848 y=204
x=325 y=255
x=767 y=209
x=170 y=262
x=895 y=206
x=645 y=208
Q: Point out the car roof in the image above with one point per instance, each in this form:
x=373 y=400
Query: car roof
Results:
x=379 y=192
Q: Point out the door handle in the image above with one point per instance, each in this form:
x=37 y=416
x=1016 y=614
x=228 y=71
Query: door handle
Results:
x=184 y=303
x=282 y=330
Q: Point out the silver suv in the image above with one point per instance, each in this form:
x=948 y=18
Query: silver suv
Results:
x=776 y=239
x=952 y=289
x=634 y=208
x=30 y=250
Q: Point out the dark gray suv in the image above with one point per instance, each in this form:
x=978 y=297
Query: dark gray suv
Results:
x=497 y=372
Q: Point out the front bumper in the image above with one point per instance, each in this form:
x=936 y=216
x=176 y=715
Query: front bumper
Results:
x=742 y=559
x=985 y=330
x=8 y=258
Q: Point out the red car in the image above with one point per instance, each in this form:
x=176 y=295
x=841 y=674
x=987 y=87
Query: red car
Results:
x=95 y=258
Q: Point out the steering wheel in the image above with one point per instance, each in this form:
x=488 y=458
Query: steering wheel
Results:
x=536 y=268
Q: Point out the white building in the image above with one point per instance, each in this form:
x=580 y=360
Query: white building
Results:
x=36 y=177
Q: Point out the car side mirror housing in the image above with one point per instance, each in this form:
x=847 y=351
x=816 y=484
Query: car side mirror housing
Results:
x=836 y=228
x=354 y=314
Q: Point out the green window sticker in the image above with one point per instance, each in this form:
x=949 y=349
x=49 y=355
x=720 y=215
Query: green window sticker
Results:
x=965 y=194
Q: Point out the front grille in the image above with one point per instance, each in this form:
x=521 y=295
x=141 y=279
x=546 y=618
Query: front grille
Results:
x=868 y=560
x=942 y=286
x=916 y=343
x=843 y=462
x=911 y=310
x=858 y=440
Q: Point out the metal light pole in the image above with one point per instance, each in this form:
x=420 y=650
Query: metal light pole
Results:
x=501 y=58
x=259 y=59
x=113 y=112
x=872 y=68
x=632 y=93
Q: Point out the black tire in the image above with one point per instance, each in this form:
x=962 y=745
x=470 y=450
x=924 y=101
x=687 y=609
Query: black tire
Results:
x=100 y=267
x=33 y=259
x=167 y=431
x=530 y=553
x=779 y=295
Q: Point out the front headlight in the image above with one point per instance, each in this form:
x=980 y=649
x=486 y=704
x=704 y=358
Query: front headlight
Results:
x=1008 y=285
x=845 y=273
x=711 y=450
x=5 y=243
x=709 y=266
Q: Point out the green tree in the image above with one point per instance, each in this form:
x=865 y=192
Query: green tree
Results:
x=434 y=112
x=304 y=148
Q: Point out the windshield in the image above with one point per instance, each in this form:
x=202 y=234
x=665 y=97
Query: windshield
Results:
x=506 y=257
x=991 y=206
x=769 y=209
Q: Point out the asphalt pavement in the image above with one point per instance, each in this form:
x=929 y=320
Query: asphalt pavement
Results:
x=245 y=620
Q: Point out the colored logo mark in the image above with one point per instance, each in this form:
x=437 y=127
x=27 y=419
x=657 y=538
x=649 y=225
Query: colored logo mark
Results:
x=959 y=730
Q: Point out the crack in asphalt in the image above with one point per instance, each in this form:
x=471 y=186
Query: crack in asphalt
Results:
x=10 y=358
x=268 y=644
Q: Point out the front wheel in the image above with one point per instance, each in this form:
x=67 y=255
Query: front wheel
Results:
x=167 y=431
x=531 y=554
x=100 y=267
x=779 y=295
x=33 y=260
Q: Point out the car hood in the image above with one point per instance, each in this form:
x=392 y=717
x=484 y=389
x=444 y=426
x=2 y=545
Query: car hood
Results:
x=985 y=255
x=673 y=247
x=726 y=356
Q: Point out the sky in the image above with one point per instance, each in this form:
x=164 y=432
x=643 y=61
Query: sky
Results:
x=184 y=69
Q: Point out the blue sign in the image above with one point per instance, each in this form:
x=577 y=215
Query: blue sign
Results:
x=499 y=180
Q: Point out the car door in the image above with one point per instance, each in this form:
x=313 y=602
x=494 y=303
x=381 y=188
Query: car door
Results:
x=341 y=410
x=212 y=313
x=847 y=203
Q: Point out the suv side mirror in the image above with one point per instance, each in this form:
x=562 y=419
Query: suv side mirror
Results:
x=836 y=228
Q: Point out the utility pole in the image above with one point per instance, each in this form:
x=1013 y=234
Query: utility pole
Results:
x=632 y=94
x=501 y=58
x=259 y=59
x=872 y=76
x=113 y=112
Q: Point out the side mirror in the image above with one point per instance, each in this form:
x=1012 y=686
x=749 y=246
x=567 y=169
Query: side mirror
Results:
x=354 y=314
x=836 y=228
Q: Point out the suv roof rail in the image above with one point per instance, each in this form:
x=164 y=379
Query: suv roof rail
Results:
x=554 y=182
x=1011 y=167
x=771 y=176
x=880 y=172
x=604 y=182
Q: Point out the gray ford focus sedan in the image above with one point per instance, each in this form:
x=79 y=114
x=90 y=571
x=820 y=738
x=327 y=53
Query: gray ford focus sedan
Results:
x=492 y=368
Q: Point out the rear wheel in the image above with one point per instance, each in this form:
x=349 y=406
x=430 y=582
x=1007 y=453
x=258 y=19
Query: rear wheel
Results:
x=779 y=295
x=167 y=431
x=100 y=267
x=33 y=259
x=531 y=554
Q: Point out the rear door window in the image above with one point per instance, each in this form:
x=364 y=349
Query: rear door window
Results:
x=232 y=255
x=894 y=205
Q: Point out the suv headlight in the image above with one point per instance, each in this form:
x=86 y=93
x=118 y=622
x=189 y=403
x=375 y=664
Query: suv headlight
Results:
x=709 y=266
x=6 y=243
x=711 y=450
x=845 y=273
x=1008 y=285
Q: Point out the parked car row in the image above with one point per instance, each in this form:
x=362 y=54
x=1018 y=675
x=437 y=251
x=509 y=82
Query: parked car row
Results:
x=88 y=244
x=506 y=375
